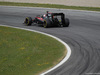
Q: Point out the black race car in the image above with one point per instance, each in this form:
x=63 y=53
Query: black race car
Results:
x=48 y=20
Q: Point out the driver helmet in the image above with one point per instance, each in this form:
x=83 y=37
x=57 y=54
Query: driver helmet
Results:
x=44 y=15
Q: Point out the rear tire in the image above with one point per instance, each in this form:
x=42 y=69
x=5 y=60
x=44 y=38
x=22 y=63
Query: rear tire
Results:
x=46 y=23
x=28 y=21
x=66 y=23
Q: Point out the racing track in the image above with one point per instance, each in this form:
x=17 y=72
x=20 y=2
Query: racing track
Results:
x=83 y=36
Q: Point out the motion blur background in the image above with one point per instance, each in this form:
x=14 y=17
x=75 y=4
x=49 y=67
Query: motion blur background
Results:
x=87 y=3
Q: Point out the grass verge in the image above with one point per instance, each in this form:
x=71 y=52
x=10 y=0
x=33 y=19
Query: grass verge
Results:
x=50 y=6
x=27 y=53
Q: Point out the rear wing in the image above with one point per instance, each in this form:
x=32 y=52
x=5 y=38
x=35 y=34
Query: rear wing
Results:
x=59 y=14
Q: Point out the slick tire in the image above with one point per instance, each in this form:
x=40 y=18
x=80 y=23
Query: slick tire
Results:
x=28 y=21
x=46 y=23
x=66 y=22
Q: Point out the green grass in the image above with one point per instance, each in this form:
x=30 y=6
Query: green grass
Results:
x=50 y=6
x=27 y=53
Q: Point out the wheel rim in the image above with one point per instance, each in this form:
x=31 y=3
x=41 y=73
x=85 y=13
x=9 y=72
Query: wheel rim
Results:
x=26 y=21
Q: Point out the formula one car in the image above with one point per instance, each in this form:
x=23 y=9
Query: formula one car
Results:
x=48 y=20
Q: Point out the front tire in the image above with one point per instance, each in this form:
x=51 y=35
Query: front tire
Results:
x=66 y=23
x=28 y=21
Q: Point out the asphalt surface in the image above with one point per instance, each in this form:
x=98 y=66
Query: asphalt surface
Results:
x=83 y=36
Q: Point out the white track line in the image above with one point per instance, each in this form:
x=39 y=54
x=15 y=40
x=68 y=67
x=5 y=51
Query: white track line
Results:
x=67 y=47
